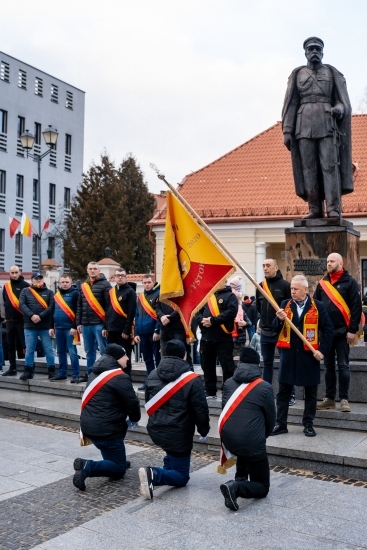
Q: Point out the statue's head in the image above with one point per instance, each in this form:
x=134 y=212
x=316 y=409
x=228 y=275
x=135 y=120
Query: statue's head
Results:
x=314 y=49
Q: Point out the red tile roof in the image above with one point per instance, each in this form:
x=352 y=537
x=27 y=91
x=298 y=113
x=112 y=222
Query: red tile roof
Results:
x=255 y=181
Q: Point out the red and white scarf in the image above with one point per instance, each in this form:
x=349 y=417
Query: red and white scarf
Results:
x=168 y=391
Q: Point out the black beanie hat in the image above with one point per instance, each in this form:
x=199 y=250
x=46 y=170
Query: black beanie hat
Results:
x=115 y=351
x=249 y=355
x=175 y=348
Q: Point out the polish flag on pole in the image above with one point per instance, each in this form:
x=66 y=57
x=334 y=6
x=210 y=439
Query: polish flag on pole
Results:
x=46 y=224
x=13 y=226
x=26 y=226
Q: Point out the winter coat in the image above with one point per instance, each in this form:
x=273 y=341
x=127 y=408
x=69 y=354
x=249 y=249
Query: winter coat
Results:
x=349 y=290
x=251 y=311
x=61 y=319
x=228 y=308
x=245 y=432
x=85 y=315
x=31 y=306
x=256 y=342
x=104 y=416
x=12 y=314
x=175 y=325
x=281 y=290
x=298 y=366
x=144 y=323
x=127 y=299
x=172 y=426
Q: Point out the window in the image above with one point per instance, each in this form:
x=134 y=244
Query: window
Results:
x=69 y=100
x=38 y=86
x=22 y=79
x=67 y=144
x=35 y=245
x=2 y=240
x=3 y=121
x=52 y=200
x=51 y=246
x=54 y=93
x=2 y=182
x=18 y=243
x=35 y=190
x=21 y=126
x=37 y=133
x=19 y=189
x=4 y=71
x=67 y=197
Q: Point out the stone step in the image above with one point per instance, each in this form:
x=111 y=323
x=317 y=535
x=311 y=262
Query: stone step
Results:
x=339 y=452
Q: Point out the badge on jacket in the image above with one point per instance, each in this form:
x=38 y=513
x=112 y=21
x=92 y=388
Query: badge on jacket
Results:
x=220 y=301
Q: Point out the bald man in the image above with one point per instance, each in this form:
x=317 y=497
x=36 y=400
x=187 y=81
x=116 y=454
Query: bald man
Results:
x=13 y=316
x=337 y=290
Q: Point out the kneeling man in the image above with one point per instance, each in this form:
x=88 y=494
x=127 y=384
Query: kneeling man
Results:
x=298 y=366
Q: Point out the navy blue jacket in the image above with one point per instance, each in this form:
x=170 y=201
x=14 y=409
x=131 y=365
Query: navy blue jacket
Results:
x=144 y=323
x=61 y=320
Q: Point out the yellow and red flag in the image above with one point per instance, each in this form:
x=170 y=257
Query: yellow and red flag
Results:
x=193 y=266
x=26 y=226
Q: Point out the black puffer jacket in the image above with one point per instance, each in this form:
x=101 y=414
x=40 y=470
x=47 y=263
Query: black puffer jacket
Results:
x=172 y=426
x=12 y=314
x=127 y=299
x=281 y=290
x=85 y=315
x=246 y=430
x=228 y=309
x=31 y=306
x=175 y=325
x=105 y=414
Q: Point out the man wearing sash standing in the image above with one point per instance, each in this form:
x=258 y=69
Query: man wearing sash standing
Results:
x=175 y=403
x=298 y=365
x=14 y=316
x=108 y=401
x=66 y=300
x=93 y=302
x=37 y=305
x=147 y=326
x=247 y=419
x=340 y=294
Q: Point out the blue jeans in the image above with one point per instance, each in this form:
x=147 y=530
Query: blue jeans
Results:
x=250 y=332
x=31 y=338
x=114 y=459
x=64 y=343
x=150 y=351
x=175 y=471
x=92 y=336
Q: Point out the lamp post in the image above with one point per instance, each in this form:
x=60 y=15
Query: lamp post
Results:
x=27 y=140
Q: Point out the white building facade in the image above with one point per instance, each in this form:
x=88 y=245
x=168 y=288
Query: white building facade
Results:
x=32 y=100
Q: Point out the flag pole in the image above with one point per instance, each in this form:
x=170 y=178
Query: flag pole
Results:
x=230 y=255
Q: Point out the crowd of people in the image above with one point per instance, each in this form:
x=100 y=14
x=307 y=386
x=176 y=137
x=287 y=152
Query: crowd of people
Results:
x=113 y=319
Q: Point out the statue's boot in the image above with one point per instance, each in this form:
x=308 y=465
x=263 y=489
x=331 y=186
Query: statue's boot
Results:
x=313 y=216
x=333 y=214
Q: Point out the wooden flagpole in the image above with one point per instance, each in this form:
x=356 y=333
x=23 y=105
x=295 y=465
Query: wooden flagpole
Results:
x=230 y=255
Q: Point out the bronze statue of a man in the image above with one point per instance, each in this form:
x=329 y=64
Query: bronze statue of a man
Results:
x=317 y=130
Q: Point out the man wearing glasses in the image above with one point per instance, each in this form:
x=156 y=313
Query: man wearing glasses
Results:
x=120 y=314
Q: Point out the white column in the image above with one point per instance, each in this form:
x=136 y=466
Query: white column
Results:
x=260 y=256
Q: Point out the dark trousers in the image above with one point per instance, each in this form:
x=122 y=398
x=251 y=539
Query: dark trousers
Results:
x=283 y=396
x=340 y=348
x=150 y=351
x=15 y=335
x=252 y=478
x=268 y=345
x=114 y=459
x=114 y=337
x=175 y=471
x=167 y=335
x=209 y=352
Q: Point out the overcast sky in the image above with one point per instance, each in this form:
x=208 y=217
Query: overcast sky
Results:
x=180 y=83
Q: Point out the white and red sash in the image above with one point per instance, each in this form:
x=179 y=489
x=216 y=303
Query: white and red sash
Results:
x=166 y=393
x=91 y=390
x=226 y=459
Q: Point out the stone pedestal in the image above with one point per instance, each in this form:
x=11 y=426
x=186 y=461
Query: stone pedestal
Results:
x=308 y=244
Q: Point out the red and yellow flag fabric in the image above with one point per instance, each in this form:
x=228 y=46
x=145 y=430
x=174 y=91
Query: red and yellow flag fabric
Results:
x=26 y=226
x=193 y=266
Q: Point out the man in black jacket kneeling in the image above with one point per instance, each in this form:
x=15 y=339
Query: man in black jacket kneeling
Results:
x=107 y=402
x=175 y=403
x=245 y=428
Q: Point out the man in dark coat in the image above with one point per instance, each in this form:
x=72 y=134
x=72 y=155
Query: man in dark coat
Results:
x=251 y=311
x=316 y=103
x=298 y=366
x=172 y=425
x=345 y=326
x=37 y=305
x=244 y=433
x=171 y=327
x=13 y=316
x=104 y=417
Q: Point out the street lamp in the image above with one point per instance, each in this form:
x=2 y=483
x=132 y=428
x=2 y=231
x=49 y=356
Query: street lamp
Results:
x=27 y=140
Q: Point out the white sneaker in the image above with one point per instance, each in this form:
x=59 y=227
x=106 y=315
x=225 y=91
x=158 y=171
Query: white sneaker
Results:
x=146 y=477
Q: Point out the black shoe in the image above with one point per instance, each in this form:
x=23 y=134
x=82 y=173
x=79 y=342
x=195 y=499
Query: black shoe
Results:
x=79 y=464
x=277 y=430
x=83 y=378
x=146 y=476
x=74 y=380
x=141 y=388
x=309 y=431
x=292 y=401
x=210 y=396
x=10 y=372
x=229 y=491
x=27 y=374
x=51 y=372
x=58 y=377
x=79 y=479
